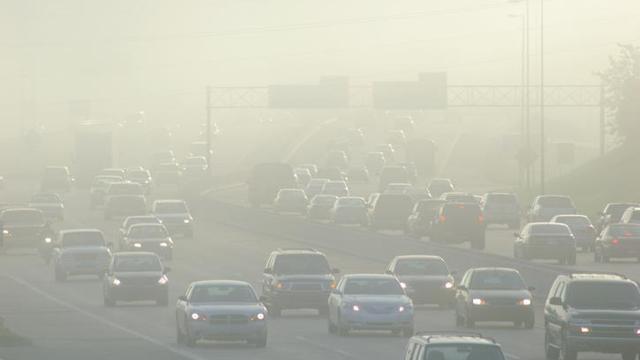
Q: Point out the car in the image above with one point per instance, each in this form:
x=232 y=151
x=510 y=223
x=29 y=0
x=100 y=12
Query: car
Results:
x=320 y=207
x=387 y=150
x=392 y=174
x=123 y=188
x=355 y=137
x=439 y=186
x=140 y=176
x=618 y=241
x=313 y=168
x=350 y=210
x=297 y=279
x=291 y=201
x=23 y=227
x=422 y=216
x=459 y=197
x=425 y=278
x=303 y=176
x=266 y=179
x=125 y=205
x=50 y=204
x=80 y=252
x=631 y=216
x=545 y=240
x=337 y=159
x=592 y=312
x=314 y=187
x=390 y=212
x=56 y=179
x=332 y=173
x=194 y=167
x=612 y=213
x=149 y=237
x=370 y=302
x=335 y=187
x=135 y=276
x=175 y=216
x=457 y=223
x=544 y=207
x=99 y=188
x=374 y=162
x=412 y=171
x=581 y=228
x=452 y=345
x=494 y=294
x=132 y=220
x=502 y=209
x=358 y=175
x=168 y=174
x=117 y=172
x=220 y=310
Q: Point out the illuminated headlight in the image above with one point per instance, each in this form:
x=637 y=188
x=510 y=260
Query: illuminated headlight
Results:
x=5 y=231
x=525 y=302
x=137 y=245
x=403 y=285
x=403 y=308
x=47 y=240
x=332 y=284
x=196 y=316
x=478 y=301
x=163 y=280
x=116 y=282
x=280 y=285
x=258 y=316
x=584 y=330
x=638 y=332
x=163 y=244
x=355 y=308
x=186 y=221
x=448 y=285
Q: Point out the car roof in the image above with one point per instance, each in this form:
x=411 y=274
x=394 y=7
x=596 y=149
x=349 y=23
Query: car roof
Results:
x=552 y=196
x=21 y=209
x=298 y=251
x=146 y=224
x=72 y=231
x=597 y=276
x=134 y=253
x=418 y=257
x=495 y=269
x=368 y=276
x=220 y=282
x=169 y=201
x=453 y=338
x=545 y=223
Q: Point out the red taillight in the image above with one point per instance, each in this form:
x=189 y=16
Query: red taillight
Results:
x=615 y=241
x=442 y=218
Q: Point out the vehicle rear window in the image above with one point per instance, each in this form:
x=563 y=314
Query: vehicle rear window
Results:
x=137 y=263
x=625 y=230
x=428 y=205
x=147 y=231
x=635 y=216
x=549 y=229
x=26 y=217
x=125 y=189
x=373 y=287
x=496 y=280
x=577 y=221
x=460 y=198
x=603 y=295
x=463 y=352
x=82 y=238
x=421 y=267
x=324 y=200
x=394 y=203
x=356 y=202
x=555 y=202
x=222 y=293
x=301 y=264
x=170 y=208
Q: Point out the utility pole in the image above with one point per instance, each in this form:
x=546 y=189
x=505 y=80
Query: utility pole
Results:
x=208 y=134
x=542 y=135
x=527 y=96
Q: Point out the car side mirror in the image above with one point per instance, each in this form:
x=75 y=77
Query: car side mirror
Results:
x=183 y=298
x=335 y=271
x=555 y=301
x=268 y=271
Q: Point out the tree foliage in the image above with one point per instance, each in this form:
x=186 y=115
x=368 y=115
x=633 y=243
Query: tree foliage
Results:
x=621 y=81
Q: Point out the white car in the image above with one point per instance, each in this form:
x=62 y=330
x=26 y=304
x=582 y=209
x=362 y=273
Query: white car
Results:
x=80 y=252
x=175 y=216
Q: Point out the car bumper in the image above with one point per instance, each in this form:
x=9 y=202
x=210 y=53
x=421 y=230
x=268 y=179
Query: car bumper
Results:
x=389 y=224
x=136 y=293
x=603 y=344
x=366 y=321
x=209 y=331
x=549 y=251
x=83 y=268
x=501 y=313
x=299 y=300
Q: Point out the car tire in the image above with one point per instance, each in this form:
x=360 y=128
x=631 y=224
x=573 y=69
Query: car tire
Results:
x=459 y=320
x=331 y=328
x=179 y=336
x=189 y=340
x=596 y=256
x=604 y=258
x=342 y=330
x=551 y=353
x=571 y=259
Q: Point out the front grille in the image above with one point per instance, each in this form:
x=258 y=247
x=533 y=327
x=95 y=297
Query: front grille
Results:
x=499 y=301
x=228 y=319
x=139 y=281
x=379 y=309
x=306 y=287
x=613 y=332
x=614 y=322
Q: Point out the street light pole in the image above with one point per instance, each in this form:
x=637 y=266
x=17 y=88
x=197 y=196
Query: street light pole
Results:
x=527 y=95
x=542 y=121
x=208 y=134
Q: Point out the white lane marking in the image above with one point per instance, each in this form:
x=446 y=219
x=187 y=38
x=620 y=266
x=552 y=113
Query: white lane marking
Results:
x=511 y=356
x=154 y=341
x=327 y=347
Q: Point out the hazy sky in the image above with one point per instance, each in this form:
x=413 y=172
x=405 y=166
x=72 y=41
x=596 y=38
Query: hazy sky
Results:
x=158 y=55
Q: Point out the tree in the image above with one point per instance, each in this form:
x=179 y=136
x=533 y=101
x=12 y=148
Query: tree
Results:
x=621 y=81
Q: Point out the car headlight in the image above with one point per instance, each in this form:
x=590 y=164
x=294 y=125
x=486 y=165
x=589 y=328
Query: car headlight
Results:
x=137 y=245
x=196 y=316
x=524 y=302
x=403 y=285
x=5 y=231
x=163 y=244
x=355 y=308
x=332 y=284
x=47 y=240
x=448 y=285
x=258 y=316
x=584 y=330
x=186 y=221
x=163 y=280
x=478 y=301
x=116 y=282
x=279 y=285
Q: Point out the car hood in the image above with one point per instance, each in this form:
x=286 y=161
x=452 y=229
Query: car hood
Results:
x=23 y=226
x=85 y=250
x=137 y=274
x=324 y=277
x=148 y=240
x=377 y=299
x=425 y=278
x=501 y=294
x=228 y=308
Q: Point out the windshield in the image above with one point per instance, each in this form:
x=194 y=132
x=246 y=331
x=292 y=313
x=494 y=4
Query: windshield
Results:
x=82 y=238
x=625 y=230
x=171 y=208
x=496 y=280
x=125 y=189
x=555 y=202
x=463 y=352
x=348 y=202
x=324 y=200
x=603 y=295
x=223 y=293
x=550 y=229
x=22 y=217
x=123 y=201
x=421 y=267
x=301 y=264
x=147 y=231
x=394 y=204
x=373 y=287
x=137 y=263
x=45 y=198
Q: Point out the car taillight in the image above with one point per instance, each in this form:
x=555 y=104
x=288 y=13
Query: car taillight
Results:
x=442 y=218
x=615 y=241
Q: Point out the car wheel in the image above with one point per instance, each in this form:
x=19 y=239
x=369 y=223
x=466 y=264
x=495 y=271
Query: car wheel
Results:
x=571 y=260
x=331 y=328
x=551 y=353
x=567 y=352
x=189 y=340
x=604 y=258
x=596 y=256
x=629 y=356
x=562 y=260
x=342 y=330
x=179 y=336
